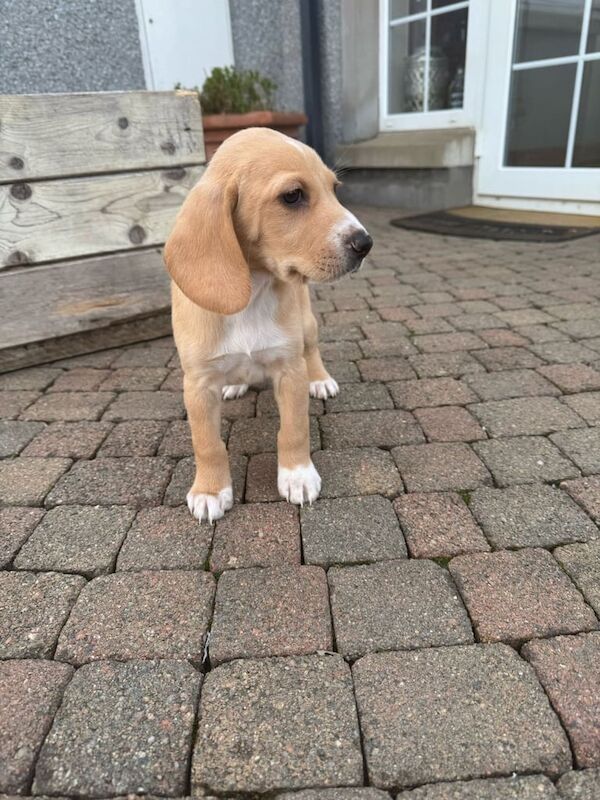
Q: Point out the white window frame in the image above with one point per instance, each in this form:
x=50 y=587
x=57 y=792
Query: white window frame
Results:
x=475 y=60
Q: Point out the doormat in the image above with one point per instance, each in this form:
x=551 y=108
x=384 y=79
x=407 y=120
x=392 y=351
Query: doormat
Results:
x=450 y=223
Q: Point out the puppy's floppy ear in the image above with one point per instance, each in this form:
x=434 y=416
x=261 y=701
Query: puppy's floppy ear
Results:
x=203 y=254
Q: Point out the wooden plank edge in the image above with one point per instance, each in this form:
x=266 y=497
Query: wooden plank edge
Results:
x=122 y=332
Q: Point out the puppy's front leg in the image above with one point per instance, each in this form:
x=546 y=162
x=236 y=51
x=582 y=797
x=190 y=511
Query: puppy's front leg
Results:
x=297 y=479
x=211 y=494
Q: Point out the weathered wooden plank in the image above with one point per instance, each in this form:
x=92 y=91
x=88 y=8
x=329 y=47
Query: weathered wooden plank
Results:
x=59 y=135
x=52 y=220
x=78 y=296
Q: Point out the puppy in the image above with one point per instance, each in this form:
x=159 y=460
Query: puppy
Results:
x=260 y=224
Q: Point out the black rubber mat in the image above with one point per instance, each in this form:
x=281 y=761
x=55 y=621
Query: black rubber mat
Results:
x=446 y=224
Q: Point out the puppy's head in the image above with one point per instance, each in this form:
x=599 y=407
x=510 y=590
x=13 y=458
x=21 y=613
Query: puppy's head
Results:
x=264 y=202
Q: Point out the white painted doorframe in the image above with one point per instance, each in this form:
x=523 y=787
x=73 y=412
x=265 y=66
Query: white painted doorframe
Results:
x=576 y=190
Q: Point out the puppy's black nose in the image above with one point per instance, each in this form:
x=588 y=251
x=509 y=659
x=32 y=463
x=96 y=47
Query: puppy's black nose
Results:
x=361 y=243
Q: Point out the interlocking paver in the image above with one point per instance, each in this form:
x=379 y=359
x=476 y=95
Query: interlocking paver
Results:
x=516 y=596
x=572 y=377
x=525 y=416
x=587 y=405
x=563 y=352
x=360 y=397
x=69 y=406
x=351 y=530
x=350 y=472
x=80 y=379
x=256 y=535
x=277 y=723
x=13 y=402
x=500 y=358
x=165 y=538
x=81 y=539
x=346 y=793
x=440 y=466
x=15 y=435
x=438 y=525
x=448 y=342
x=135 y=379
x=586 y=492
x=122 y=729
x=431 y=392
x=569 y=670
x=385 y=369
x=582 y=563
x=16 y=524
x=395 y=605
x=146 y=405
x=33 y=609
x=33 y=378
x=518 y=787
x=135 y=482
x=524 y=459
x=449 y=424
x=259 y=435
x=275 y=611
x=31 y=691
x=133 y=438
x=422 y=717
x=369 y=429
x=439 y=365
x=505 y=384
x=68 y=440
x=139 y=615
x=531 y=515
x=580 y=785
x=27 y=481
x=582 y=447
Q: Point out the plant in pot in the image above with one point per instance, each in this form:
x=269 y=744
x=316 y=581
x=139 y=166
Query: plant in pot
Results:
x=233 y=99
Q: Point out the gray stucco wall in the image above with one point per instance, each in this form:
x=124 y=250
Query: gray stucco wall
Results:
x=69 y=46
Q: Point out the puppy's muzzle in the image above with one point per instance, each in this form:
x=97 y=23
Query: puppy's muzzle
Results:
x=358 y=245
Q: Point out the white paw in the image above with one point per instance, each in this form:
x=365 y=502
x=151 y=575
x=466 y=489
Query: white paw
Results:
x=299 y=485
x=234 y=390
x=210 y=506
x=323 y=389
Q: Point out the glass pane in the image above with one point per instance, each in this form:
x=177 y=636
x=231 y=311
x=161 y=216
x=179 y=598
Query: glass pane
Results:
x=440 y=3
x=587 y=137
x=547 y=29
x=404 y=8
x=538 y=116
x=593 y=42
x=406 y=67
x=447 y=60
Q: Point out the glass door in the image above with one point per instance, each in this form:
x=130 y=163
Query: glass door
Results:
x=541 y=122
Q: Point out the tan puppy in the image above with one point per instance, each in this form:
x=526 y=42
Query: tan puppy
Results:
x=262 y=222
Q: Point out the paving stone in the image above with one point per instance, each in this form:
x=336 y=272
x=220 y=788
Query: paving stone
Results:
x=440 y=466
x=431 y=392
x=517 y=787
x=257 y=535
x=146 y=405
x=33 y=609
x=509 y=383
x=68 y=440
x=384 y=330
x=395 y=605
x=346 y=793
x=499 y=358
x=133 y=438
x=135 y=379
x=16 y=525
x=242 y=407
x=581 y=328
x=525 y=416
x=516 y=596
x=369 y=429
x=524 y=459
x=383 y=348
x=586 y=492
x=436 y=365
x=81 y=539
x=533 y=515
x=177 y=441
x=429 y=324
x=183 y=478
x=173 y=382
x=360 y=397
x=421 y=716
x=272 y=611
x=365 y=470
x=438 y=525
x=165 y=538
x=448 y=342
x=582 y=563
x=343 y=371
x=580 y=785
x=334 y=350
x=587 y=405
x=501 y=337
x=31 y=692
x=139 y=615
x=564 y=352
x=449 y=424
x=37 y=378
x=385 y=369
x=569 y=670
x=14 y=435
x=267 y=407
x=351 y=530
x=572 y=377
x=582 y=447
x=541 y=333
x=136 y=482
x=142 y=356
x=122 y=729
x=80 y=379
x=69 y=406
x=259 y=435
x=12 y=403
x=477 y=322
x=99 y=360
x=277 y=723
x=525 y=316
x=27 y=481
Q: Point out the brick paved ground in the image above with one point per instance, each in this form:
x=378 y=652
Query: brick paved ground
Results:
x=428 y=629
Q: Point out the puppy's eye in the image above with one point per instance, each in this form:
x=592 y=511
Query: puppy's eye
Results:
x=293 y=197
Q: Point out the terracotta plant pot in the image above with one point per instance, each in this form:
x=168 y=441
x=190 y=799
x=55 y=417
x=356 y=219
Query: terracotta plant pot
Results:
x=218 y=127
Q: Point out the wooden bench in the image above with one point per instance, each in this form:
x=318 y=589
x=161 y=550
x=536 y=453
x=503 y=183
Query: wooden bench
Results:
x=89 y=187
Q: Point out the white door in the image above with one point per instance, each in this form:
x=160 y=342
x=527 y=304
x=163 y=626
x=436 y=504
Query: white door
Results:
x=539 y=141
